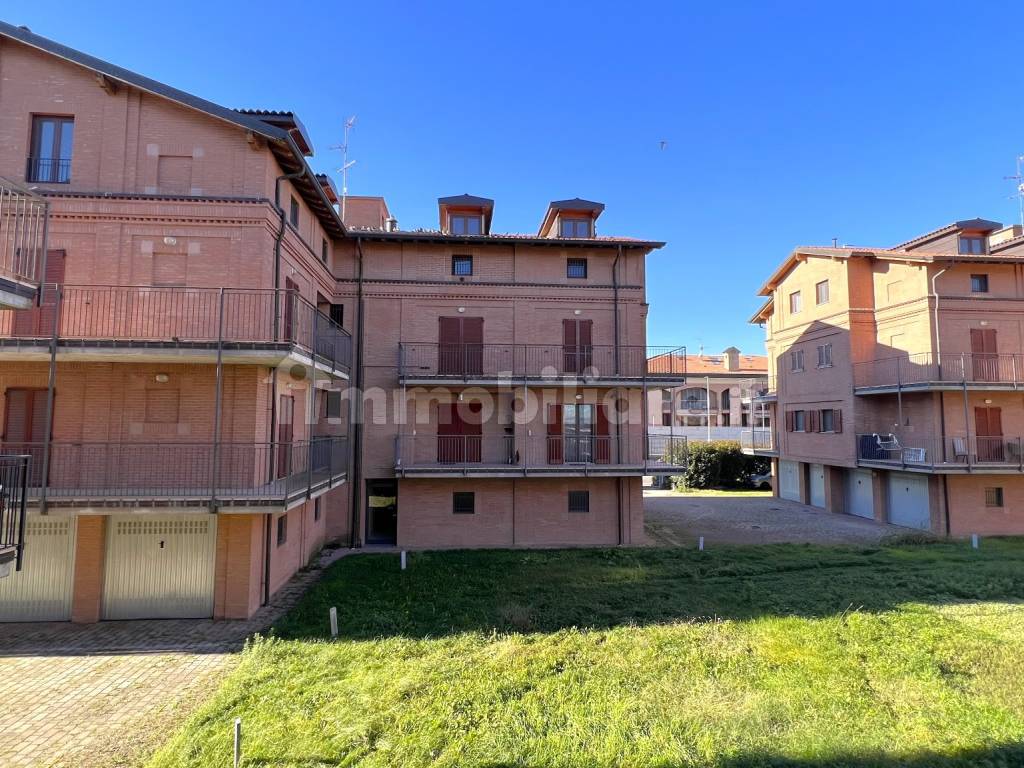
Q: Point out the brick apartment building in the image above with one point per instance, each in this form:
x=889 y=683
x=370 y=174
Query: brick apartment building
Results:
x=714 y=396
x=214 y=372
x=896 y=377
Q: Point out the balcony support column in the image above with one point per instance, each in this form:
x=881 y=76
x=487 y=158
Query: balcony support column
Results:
x=217 y=403
x=44 y=476
x=41 y=266
x=312 y=410
x=967 y=425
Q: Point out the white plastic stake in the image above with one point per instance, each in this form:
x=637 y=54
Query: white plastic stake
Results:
x=238 y=741
x=974 y=540
x=334 y=621
x=403 y=559
x=700 y=544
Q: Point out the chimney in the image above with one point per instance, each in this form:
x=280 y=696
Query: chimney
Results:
x=732 y=359
x=391 y=224
x=1004 y=234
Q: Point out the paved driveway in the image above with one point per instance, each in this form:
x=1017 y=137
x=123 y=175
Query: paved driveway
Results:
x=674 y=519
x=76 y=695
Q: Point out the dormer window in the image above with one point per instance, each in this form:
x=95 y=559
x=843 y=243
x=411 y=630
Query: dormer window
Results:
x=575 y=227
x=464 y=224
x=972 y=245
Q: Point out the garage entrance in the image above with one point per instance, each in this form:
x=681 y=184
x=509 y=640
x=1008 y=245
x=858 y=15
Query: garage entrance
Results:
x=789 y=480
x=41 y=590
x=908 y=501
x=860 y=498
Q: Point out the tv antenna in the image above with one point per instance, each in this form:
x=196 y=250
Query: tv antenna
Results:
x=346 y=163
x=1019 y=179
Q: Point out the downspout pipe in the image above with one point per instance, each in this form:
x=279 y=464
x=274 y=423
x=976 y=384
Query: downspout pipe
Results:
x=355 y=408
x=935 y=310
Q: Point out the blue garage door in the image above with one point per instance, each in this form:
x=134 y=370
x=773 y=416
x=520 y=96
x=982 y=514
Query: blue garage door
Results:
x=860 y=498
x=908 y=500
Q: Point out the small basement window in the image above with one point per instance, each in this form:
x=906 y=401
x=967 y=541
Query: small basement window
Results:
x=579 y=501
x=462 y=265
x=979 y=283
x=576 y=268
x=993 y=497
x=463 y=503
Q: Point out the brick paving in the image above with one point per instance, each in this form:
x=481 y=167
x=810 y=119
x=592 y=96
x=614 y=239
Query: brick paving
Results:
x=81 y=695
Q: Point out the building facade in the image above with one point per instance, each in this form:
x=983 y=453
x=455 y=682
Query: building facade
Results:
x=895 y=377
x=214 y=370
x=715 y=403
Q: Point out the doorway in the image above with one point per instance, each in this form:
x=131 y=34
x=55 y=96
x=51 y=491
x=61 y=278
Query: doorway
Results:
x=382 y=512
x=459 y=433
x=25 y=427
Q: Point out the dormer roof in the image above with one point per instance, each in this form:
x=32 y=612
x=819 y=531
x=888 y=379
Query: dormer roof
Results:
x=466 y=203
x=576 y=205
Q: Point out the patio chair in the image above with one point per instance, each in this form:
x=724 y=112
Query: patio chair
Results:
x=960 y=449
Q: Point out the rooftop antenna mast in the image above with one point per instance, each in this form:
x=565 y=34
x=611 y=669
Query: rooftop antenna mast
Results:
x=345 y=163
x=1019 y=179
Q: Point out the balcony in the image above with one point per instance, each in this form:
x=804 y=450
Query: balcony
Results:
x=48 y=170
x=926 y=371
x=14 y=473
x=944 y=454
x=213 y=475
x=22 y=245
x=554 y=364
x=758 y=442
x=263 y=327
x=504 y=455
x=760 y=390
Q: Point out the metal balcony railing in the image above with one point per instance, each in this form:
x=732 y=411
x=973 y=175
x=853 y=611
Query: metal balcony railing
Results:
x=926 y=368
x=758 y=389
x=539 y=361
x=938 y=452
x=14 y=474
x=757 y=440
x=48 y=170
x=504 y=453
x=22 y=229
x=178 y=317
x=228 y=473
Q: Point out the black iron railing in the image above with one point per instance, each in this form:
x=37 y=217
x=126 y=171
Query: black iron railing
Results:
x=539 y=361
x=48 y=170
x=14 y=473
x=225 y=473
x=176 y=317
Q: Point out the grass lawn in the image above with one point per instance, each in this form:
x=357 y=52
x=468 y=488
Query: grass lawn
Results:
x=735 y=657
x=743 y=492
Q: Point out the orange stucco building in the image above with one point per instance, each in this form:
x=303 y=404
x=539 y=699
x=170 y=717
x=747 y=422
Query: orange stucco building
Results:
x=895 y=377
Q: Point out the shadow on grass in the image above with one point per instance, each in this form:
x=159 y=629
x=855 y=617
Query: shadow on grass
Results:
x=999 y=756
x=443 y=593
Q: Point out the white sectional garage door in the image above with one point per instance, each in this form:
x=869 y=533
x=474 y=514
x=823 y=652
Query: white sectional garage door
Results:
x=817 y=485
x=860 y=498
x=789 y=480
x=908 y=500
x=41 y=590
x=160 y=567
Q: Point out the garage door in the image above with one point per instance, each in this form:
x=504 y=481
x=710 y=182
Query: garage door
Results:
x=860 y=497
x=160 y=567
x=789 y=480
x=41 y=590
x=908 y=500
x=817 y=485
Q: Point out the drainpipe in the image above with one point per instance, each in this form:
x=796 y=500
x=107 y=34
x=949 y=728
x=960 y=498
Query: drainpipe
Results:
x=355 y=411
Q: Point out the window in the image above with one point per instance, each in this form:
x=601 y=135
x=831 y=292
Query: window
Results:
x=821 y=292
x=825 y=356
x=282 y=529
x=794 y=302
x=993 y=497
x=796 y=421
x=575 y=227
x=463 y=503
x=725 y=419
x=579 y=501
x=323 y=250
x=52 y=139
x=726 y=401
x=337 y=314
x=828 y=421
x=464 y=225
x=293 y=214
x=796 y=360
x=462 y=265
x=333 y=404
x=972 y=245
x=316 y=510
x=576 y=268
x=979 y=283
x=666 y=419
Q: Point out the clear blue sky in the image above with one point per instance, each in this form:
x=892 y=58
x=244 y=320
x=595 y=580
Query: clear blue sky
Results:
x=786 y=125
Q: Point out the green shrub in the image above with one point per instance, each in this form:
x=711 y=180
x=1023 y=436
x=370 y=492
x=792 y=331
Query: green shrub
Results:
x=721 y=464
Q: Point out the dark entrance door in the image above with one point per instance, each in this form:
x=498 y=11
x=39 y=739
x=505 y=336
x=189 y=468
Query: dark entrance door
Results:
x=25 y=427
x=984 y=359
x=382 y=512
x=285 y=433
x=988 y=425
x=460 y=346
x=577 y=345
x=38 y=322
x=291 y=300
x=459 y=433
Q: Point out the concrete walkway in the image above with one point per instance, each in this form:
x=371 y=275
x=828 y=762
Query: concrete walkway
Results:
x=674 y=519
x=76 y=695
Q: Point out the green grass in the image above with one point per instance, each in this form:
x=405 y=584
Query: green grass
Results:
x=744 y=492
x=735 y=657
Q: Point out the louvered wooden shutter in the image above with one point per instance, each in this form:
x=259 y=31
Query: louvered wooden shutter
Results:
x=837 y=420
x=790 y=421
